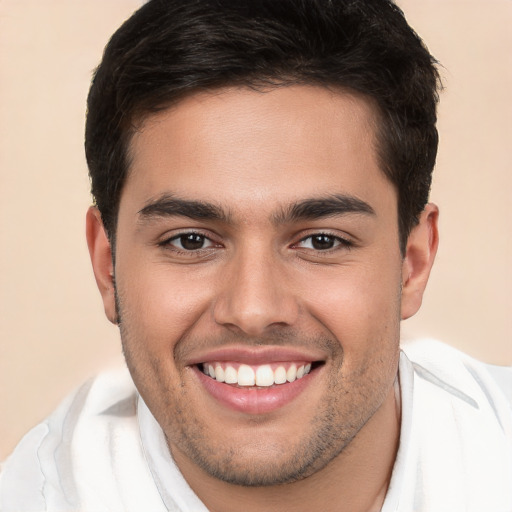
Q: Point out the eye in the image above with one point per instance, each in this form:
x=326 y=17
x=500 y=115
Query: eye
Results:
x=189 y=242
x=322 y=242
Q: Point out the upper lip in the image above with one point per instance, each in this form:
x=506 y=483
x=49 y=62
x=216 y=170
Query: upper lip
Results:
x=256 y=355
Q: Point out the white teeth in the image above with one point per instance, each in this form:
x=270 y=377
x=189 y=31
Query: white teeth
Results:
x=219 y=373
x=230 y=375
x=291 y=374
x=246 y=376
x=280 y=375
x=264 y=376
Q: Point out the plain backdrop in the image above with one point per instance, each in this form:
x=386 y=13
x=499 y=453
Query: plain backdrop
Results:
x=53 y=333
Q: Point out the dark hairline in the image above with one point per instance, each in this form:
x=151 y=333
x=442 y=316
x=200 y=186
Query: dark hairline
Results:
x=140 y=117
x=373 y=53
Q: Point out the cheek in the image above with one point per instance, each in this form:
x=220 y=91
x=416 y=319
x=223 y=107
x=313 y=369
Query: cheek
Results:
x=157 y=305
x=360 y=305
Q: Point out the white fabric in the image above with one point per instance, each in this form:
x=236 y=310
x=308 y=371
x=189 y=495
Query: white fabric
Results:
x=102 y=450
x=455 y=450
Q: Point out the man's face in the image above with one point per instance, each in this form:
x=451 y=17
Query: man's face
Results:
x=256 y=235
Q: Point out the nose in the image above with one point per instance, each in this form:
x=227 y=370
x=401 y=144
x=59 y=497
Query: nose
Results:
x=256 y=295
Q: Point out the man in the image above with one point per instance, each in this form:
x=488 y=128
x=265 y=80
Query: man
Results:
x=261 y=225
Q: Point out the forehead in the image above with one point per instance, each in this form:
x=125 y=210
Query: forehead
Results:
x=237 y=147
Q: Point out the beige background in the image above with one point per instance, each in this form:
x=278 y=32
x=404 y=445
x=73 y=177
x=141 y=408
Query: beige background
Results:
x=52 y=330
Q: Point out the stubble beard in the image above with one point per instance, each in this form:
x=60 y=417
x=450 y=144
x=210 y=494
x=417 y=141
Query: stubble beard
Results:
x=345 y=409
x=238 y=465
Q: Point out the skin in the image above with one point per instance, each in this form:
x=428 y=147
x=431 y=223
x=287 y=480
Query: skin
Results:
x=259 y=282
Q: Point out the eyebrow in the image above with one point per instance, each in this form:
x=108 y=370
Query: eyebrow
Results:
x=322 y=207
x=170 y=206
x=308 y=209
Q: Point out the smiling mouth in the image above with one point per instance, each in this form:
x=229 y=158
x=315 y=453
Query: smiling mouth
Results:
x=262 y=376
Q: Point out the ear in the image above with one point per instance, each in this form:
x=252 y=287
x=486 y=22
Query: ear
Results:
x=101 y=258
x=419 y=257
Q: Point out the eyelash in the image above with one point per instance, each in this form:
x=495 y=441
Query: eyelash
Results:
x=337 y=241
x=182 y=250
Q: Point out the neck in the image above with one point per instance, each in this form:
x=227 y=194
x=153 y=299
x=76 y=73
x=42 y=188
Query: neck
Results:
x=355 y=481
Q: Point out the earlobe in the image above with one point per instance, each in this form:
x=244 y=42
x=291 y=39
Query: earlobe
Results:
x=419 y=257
x=101 y=259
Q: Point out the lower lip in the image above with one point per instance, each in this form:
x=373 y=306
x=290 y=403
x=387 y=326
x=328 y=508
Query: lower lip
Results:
x=253 y=400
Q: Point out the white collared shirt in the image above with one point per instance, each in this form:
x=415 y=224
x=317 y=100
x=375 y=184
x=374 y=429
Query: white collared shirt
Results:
x=102 y=449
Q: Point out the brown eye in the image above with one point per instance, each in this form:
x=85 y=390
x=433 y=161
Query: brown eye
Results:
x=190 y=242
x=322 y=242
